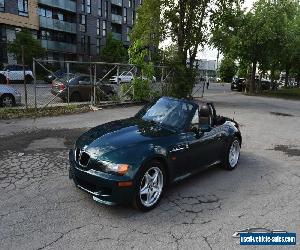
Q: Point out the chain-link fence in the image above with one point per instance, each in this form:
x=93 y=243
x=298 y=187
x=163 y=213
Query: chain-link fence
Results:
x=59 y=83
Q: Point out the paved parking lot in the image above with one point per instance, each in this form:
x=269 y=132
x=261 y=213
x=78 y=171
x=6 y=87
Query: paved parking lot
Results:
x=43 y=94
x=41 y=208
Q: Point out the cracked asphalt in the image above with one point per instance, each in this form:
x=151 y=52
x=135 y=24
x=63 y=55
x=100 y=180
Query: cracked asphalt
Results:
x=40 y=208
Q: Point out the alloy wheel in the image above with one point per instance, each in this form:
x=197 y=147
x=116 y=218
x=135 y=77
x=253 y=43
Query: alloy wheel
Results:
x=234 y=153
x=151 y=186
x=7 y=101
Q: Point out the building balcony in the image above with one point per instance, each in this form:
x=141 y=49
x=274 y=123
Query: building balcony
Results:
x=55 y=24
x=59 y=46
x=117 y=36
x=117 y=2
x=65 y=5
x=116 y=19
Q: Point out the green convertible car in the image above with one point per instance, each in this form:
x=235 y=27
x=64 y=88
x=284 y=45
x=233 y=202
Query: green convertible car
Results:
x=133 y=160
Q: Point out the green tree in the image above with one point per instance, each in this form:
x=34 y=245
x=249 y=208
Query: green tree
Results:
x=227 y=69
x=114 y=51
x=141 y=82
x=148 y=28
x=187 y=23
x=32 y=47
x=258 y=36
x=290 y=43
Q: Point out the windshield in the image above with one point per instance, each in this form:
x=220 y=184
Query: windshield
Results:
x=169 y=112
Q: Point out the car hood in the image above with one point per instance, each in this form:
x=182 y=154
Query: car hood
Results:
x=6 y=89
x=120 y=134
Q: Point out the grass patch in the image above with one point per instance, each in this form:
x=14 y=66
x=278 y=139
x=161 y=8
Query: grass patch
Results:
x=11 y=113
x=293 y=93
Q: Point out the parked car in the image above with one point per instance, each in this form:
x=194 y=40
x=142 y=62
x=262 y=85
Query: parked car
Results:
x=80 y=88
x=15 y=74
x=9 y=96
x=126 y=77
x=57 y=74
x=238 y=84
x=133 y=160
x=265 y=84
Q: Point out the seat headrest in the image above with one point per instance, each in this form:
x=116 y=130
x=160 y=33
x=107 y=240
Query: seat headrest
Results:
x=204 y=111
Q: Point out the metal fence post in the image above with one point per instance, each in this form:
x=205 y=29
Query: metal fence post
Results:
x=95 y=81
x=25 y=87
x=118 y=73
x=68 y=75
x=34 y=81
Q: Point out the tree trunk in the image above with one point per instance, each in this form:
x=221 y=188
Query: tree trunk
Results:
x=252 y=82
x=287 y=74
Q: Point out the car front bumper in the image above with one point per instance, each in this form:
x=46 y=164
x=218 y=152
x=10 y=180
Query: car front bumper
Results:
x=102 y=186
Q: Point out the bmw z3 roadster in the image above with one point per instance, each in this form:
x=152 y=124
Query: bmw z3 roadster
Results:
x=133 y=160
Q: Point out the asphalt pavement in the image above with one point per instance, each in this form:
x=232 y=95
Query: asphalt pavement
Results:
x=40 y=207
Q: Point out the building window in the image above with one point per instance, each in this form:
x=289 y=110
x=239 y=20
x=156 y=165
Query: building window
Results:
x=49 y=13
x=104 y=28
x=125 y=15
x=3 y=44
x=88 y=6
x=98 y=26
x=99 y=7
x=2 y=5
x=82 y=41
x=83 y=23
x=105 y=9
x=42 y=12
x=82 y=5
x=23 y=7
x=98 y=46
x=130 y=3
x=128 y=30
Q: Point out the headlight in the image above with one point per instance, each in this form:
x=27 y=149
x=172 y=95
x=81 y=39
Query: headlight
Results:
x=17 y=92
x=120 y=169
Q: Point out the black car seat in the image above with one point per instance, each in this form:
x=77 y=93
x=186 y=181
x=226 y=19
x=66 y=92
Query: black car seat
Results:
x=205 y=117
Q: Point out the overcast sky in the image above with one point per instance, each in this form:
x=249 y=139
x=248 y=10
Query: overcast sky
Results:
x=210 y=53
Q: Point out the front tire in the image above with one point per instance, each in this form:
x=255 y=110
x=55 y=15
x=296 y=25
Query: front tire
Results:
x=7 y=100
x=150 y=186
x=232 y=155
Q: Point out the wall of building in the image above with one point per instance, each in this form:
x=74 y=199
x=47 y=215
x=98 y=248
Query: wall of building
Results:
x=11 y=17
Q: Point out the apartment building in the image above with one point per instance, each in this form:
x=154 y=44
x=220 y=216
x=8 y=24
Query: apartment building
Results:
x=15 y=15
x=69 y=29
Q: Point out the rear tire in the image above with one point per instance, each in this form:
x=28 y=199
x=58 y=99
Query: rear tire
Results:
x=232 y=154
x=150 y=186
x=7 y=100
x=28 y=79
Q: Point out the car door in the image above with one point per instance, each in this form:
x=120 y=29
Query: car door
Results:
x=85 y=88
x=178 y=154
x=202 y=146
x=18 y=73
